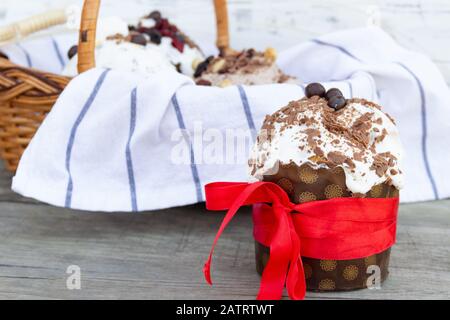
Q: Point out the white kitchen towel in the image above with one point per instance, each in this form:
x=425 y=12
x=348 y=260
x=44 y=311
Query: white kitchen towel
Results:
x=118 y=142
x=47 y=53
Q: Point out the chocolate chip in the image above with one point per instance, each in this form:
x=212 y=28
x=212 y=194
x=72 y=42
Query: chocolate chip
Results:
x=155 y=36
x=314 y=89
x=332 y=93
x=3 y=55
x=202 y=66
x=250 y=53
x=337 y=102
x=155 y=15
x=72 y=51
x=162 y=24
x=203 y=82
x=138 y=39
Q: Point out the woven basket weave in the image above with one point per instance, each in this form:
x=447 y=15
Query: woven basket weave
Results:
x=27 y=95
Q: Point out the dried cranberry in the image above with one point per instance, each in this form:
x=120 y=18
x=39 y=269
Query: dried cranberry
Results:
x=179 y=45
x=162 y=24
x=142 y=29
x=166 y=33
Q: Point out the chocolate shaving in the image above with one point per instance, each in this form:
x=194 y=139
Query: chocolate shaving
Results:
x=360 y=129
x=358 y=156
x=336 y=158
x=380 y=165
x=346 y=127
x=381 y=137
x=349 y=162
x=318 y=152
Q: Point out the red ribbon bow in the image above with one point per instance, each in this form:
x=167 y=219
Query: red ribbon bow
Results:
x=338 y=229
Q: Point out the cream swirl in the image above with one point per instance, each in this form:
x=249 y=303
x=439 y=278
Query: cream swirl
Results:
x=360 y=138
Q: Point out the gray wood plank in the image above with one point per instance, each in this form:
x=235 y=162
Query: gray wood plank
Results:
x=6 y=194
x=160 y=254
x=5 y=185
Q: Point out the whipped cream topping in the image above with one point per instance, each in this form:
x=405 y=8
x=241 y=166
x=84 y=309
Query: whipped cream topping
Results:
x=360 y=138
x=110 y=53
x=247 y=67
x=185 y=60
x=266 y=74
x=127 y=57
x=109 y=26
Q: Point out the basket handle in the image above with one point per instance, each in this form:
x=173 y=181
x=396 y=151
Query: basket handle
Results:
x=31 y=25
x=223 y=38
x=86 y=40
x=88 y=27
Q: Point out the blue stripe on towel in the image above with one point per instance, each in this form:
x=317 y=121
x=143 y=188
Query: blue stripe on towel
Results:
x=350 y=88
x=342 y=49
x=131 y=180
x=182 y=126
x=424 y=128
x=301 y=85
x=26 y=54
x=373 y=87
x=73 y=133
x=373 y=90
x=58 y=53
x=248 y=112
x=423 y=112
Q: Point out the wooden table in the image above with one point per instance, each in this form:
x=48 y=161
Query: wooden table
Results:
x=159 y=255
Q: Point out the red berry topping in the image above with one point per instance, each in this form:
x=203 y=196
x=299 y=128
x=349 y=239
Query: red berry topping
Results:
x=179 y=45
x=166 y=33
x=162 y=24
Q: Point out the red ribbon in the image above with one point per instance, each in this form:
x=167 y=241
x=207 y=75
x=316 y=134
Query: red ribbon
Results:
x=338 y=229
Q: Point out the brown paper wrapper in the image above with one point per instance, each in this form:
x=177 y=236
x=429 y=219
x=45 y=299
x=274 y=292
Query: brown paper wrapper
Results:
x=305 y=184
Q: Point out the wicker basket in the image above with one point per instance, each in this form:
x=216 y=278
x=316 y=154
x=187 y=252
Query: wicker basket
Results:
x=27 y=95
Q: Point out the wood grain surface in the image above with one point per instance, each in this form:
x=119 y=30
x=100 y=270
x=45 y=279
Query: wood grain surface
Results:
x=160 y=255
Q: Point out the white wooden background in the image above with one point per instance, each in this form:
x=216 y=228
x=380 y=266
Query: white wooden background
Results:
x=421 y=25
